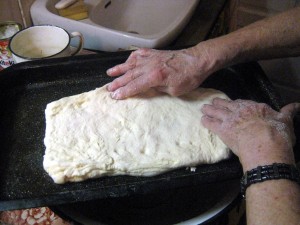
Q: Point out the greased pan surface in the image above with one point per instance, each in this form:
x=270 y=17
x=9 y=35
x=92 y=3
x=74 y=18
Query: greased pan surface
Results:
x=26 y=89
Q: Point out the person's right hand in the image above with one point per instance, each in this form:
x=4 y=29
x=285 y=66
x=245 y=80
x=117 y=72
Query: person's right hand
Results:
x=172 y=72
x=255 y=132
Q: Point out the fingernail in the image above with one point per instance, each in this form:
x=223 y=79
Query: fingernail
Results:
x=109 y=71
x=108 y=87
x=116 y=95
x=203 y=107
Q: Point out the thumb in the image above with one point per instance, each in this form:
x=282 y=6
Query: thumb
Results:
x=291 y=109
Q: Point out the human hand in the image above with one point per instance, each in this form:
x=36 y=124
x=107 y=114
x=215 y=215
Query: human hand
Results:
x=257 y=134
x=172 y=72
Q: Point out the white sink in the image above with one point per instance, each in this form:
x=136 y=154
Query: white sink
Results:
x=119 y=24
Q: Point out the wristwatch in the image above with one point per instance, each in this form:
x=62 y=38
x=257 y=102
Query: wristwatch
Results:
x=269 y=172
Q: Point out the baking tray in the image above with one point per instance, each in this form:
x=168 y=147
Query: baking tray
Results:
x=25 y=90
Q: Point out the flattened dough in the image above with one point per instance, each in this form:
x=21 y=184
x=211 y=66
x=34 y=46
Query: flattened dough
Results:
x=91 y=135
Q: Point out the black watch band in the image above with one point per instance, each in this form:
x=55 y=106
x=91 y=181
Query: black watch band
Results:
x=269 y=172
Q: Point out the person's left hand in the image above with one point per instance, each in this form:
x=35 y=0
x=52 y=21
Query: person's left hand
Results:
x=172 y=72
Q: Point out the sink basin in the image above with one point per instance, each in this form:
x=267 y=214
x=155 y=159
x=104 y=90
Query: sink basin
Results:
x=119 y=24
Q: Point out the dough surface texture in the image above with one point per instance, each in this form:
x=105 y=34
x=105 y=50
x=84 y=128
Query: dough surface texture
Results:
x=91 y=135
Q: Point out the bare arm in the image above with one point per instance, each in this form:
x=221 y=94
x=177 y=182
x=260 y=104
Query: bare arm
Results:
x=274 y=37
x=260 y=136
x=178 y=72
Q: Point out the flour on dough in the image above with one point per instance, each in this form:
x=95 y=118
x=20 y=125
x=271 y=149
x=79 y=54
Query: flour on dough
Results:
x=91 y=135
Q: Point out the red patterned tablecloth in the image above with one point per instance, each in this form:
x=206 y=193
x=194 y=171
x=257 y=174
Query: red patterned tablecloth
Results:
x=34 y=216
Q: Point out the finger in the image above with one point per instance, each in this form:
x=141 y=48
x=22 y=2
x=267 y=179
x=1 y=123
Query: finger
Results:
x=212 y=124
x=224 y=103
x=232 y=105
x=215 y=112
x=120 y=69
x=123 y=80
x=132 y=88
x=291 y=109
x=130 y=62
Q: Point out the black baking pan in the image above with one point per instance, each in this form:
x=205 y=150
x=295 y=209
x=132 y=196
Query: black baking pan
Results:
x=26 y=89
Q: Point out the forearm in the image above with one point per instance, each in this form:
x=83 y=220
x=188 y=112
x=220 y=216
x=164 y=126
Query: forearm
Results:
x=260 y=136
x=273 y=201
x=274 y=37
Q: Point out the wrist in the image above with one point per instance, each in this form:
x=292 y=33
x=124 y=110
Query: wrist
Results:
x=267 y=172
x=225 y=49
x=264 y=146
x=210 y=57
x=256 y=157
